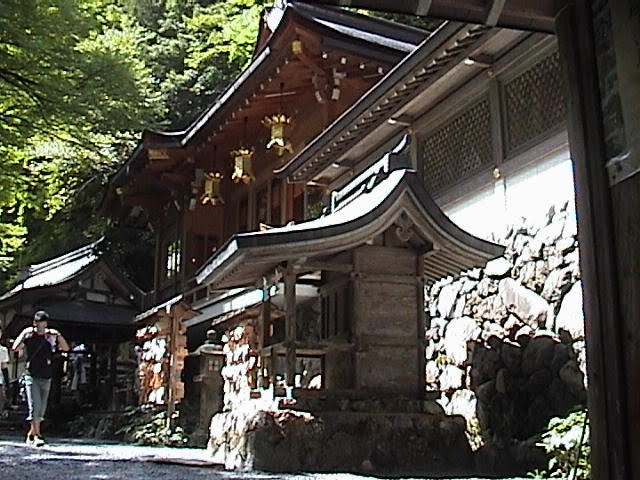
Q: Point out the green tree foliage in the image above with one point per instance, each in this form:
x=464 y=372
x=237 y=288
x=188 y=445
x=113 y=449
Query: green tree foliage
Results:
x=566 y=440
x=73 y=86
x=79 y=81
x=195 y=49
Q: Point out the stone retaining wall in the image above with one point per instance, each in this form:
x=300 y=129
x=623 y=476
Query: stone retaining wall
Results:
x=506 y=343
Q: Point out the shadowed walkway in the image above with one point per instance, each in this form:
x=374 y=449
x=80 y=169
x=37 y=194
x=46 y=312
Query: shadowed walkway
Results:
x=72 y=459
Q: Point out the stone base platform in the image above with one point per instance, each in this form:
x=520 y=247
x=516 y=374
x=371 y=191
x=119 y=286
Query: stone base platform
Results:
x=349 y=440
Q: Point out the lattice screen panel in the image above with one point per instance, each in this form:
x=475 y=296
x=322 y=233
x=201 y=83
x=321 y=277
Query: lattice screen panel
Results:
x=459 y=149
x=534 y=102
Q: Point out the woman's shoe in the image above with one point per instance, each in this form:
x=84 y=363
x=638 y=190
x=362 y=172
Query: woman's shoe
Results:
x=38 y=441
x=30 y=440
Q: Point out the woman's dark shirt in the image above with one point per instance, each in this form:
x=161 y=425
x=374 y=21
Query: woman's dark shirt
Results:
x=39 y=355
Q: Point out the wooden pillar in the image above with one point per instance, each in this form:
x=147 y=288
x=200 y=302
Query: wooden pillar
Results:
x=265 y=325
x=113 y=360
x=284 y=201
x=625 y=18
x=177 y=353
x=290 y=324
x=170 y=392
x=422 y=324
x=93 y=375
x=157 y=270
x=605 y=367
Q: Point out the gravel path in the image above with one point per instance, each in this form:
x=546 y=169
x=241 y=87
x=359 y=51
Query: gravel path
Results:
x=65 y=459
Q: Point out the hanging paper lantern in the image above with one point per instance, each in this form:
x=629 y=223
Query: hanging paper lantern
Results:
x=212 y=193
x=278 y=124
x=242 y=170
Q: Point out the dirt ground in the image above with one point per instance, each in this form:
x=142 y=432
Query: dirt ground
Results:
x=67 y=459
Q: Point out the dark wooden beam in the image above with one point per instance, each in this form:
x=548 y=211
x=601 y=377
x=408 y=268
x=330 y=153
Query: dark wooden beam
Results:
x=312 y=266
x=161 y=164
x=290 y=324
x=265 y=321
x=495 y=10
x=523 y=14
x=625 y=28
x=610 y=455
x=422 y=325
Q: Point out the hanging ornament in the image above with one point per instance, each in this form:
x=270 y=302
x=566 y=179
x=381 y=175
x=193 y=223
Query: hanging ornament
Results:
x=212 y=193
x=242 y=168
x=211 y=184
x=279 y=124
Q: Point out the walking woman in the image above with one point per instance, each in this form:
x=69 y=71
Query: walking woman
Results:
x=40 y=342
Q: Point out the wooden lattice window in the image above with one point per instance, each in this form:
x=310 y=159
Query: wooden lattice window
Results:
x=173 y=259
x=459 y=149
x=534 y=102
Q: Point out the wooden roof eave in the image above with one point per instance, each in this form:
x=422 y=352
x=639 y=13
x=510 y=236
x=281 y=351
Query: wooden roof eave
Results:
x=181 y=138
x=275 y=49
x=41 y=290
x=367 y=23
x=84 y=257
x=123 y=285
x=268 y=57
x=354 y=45
x=518 y=14
x=174 y=307
x=273 y=54
x=248 y=256
x=319 y=152
x=119 y=178
x=446 y=48
x=405 y=105
x=173 y=139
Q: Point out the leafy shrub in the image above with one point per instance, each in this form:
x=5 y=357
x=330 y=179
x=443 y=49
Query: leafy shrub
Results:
x=566 y=441
x=150 y=427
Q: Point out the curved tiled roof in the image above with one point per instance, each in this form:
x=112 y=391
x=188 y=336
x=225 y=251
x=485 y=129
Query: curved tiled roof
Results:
x=390 y=40
x=389 y=35
x=247 y=256
x=56 y=270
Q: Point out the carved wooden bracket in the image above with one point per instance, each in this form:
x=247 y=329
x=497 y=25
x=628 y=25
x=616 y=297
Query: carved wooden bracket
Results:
x=404 y=227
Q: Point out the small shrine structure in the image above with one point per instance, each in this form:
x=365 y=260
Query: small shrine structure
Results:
x=92 y=304
x=343 y=296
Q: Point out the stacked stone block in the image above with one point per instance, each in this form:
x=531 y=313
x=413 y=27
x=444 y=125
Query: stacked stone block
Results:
x=506 y=343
